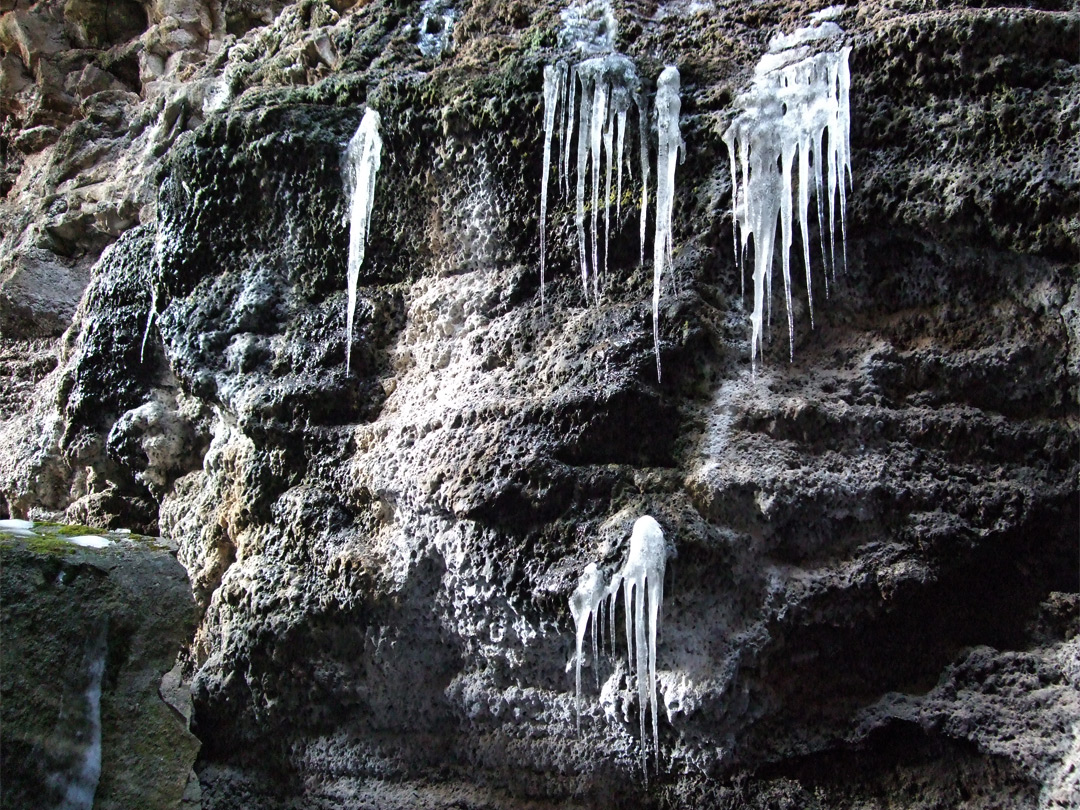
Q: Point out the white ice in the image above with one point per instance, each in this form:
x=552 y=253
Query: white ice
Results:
x=607 y=86
x=90 y=541
x=554 y=87
x=585 y=606
x=644 y=572
x=669 y=142
x=362 y=159
x=14 y=524
x=796 y=109
x=642 y=575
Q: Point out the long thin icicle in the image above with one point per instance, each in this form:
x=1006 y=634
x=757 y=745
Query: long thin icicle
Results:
x=584 y=122
x=362 y=159
x=797 y=104
x=568 y=129
x=622 y=103
x=596 y=135
x=669 y=142
x=554 y=77
x=609 y=131
x=643 y=137
x=151 y=314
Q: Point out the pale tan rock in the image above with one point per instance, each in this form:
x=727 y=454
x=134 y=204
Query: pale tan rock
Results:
x=31 y=36
x=39 y=293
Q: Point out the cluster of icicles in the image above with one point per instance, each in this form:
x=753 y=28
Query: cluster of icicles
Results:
x=794 y=127
x=641 y=576
x=609 y=87
x=793 y=130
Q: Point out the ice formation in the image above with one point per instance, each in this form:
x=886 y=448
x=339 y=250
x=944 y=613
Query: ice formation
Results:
x=18 y=528
x=585 y=606
x=90 y=541
x=361 y=165
x=554 y=89
x=589 y=27
x=598 y=93
x=644 y=570
x=641 y=575
x=669 y=142
x=796 y=110
x=608 y=86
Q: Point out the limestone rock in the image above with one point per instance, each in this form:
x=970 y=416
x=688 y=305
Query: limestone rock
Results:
x=874 y=542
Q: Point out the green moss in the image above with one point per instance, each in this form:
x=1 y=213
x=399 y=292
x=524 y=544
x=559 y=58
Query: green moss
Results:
x=68 y=530
x=39 y=544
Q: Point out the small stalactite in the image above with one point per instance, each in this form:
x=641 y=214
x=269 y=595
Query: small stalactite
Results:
x=363 y=156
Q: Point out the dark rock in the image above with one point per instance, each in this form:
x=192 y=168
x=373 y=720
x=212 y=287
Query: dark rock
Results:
x=876 y=541
x=88 y=635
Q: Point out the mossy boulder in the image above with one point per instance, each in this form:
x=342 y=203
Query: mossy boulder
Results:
x=87 y=635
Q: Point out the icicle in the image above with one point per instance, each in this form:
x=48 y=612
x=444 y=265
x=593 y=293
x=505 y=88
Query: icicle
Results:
x=819 y=193
x=787 y=157
x=596 y=133
x=643 y=137
x=622 y=104
x=611 y=596
x=734 y=224
x=641 y=576
x=568 y=129
x=607 y=86
x=609 y=132
x=554 y=75
x=644 y=570
x=159 y=254
x=150 y=315
x=669 y=141
x=796 y=106
x=362 y=159
x=843 y=123
x=584 y=124
x=584 y=604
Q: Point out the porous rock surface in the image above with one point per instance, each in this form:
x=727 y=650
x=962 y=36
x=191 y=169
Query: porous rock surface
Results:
x=873 y=589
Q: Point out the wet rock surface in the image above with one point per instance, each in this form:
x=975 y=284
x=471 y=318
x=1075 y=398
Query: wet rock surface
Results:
x=873 y=600
x=89 y=635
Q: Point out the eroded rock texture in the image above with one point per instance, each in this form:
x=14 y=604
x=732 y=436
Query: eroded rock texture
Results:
x=874 y=598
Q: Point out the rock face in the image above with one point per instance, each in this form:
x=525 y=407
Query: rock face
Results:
x=872 y=597
x=88 y=635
